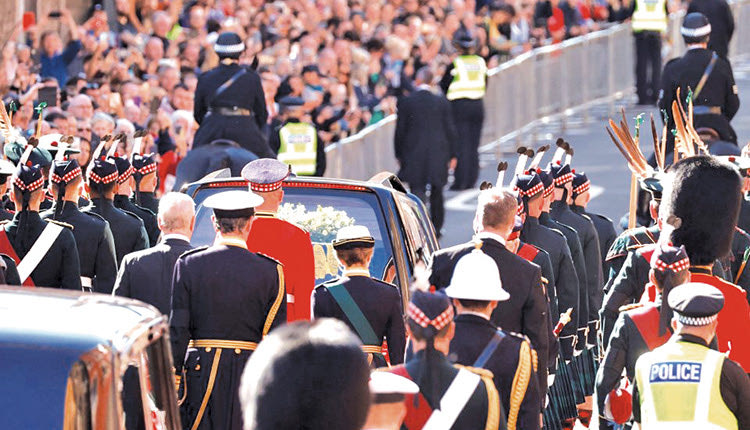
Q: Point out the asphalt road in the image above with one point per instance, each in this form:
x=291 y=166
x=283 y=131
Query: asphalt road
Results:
x=595 y=154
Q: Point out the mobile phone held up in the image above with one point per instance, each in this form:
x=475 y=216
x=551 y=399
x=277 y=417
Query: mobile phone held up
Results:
x=47 y=95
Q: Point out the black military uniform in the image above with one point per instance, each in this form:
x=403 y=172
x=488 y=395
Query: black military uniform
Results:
x=127 y=228
x=560 y=211
x=605 y=228
x=290 y=106
x=229 y=101
x=122 y=201
x=627 y=241
x=526 y=311
x=225 y=300
x=143 y=166
x=428 y=314
x=94 y=240
x=566 y=280
x=147 y=275
x=639 y=328
x=716 y=101
x=219 y=154
x=720 y=17
x=478 y=342
x=59 y=267
x=376 y=312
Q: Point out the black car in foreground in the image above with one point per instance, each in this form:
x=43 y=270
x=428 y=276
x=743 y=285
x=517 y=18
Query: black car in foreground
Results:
x=397 y=220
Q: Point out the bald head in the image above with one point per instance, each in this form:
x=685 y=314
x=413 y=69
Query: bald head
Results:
x=176 y=214
x=496 y=210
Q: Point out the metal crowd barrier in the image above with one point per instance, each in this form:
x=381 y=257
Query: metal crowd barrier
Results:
x=523 y=93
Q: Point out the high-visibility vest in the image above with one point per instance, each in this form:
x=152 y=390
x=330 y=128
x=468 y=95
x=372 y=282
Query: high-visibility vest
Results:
x=469 y=73
x=679 y=387
x=650 y=15
x=299 y=147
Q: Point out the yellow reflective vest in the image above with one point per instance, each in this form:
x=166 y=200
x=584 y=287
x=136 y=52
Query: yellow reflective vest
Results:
x=650 y=15
x=679 y=388
x=299 y=147
x=469 y=73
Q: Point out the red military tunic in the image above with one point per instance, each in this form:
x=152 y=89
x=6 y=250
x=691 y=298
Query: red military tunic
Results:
x=291 y=246
x=734 y=317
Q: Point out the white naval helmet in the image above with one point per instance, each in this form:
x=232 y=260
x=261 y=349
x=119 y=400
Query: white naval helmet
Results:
x=476 y=277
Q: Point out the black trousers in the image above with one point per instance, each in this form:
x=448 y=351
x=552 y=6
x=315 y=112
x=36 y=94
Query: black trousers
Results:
x=468 y=116
x=436 y=203
x=647 y=66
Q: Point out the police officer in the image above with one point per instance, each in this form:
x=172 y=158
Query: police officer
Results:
x=145 y=180
x=605 y=228
x=526 y=310
x=225 y=301
x=54 y=260
x=560 y=211
x=720 y=17
x=94 y=240
x=122 y=199
x=476 y=290
x=229 y=101
x=530 y=187
x=371 y=308
x=640 y=327
x=279 y=239
x=464 y=83
x=6 y=171
x=388 y=400
x=127 y=228
x=649 y=21
x=297 y=143
x=708 y=76
x=431 y=328
x=684 y=382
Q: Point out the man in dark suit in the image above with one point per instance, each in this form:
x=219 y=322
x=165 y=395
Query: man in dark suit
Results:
x=526 y=310
x=425 y=143
x=147 y=275
x=720 y=17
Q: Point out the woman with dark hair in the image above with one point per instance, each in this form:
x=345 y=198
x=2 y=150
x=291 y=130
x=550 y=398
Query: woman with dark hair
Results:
x=639 y=328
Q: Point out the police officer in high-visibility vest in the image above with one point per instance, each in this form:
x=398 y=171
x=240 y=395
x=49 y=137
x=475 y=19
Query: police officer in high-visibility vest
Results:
x=649 y=25
x=296 y=142
x=684 y=382
x=464 y=83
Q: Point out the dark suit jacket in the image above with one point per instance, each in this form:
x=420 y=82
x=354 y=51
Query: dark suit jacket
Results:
x=147 y=275
x=526 y=310
x=127 y=228
x=473 y=333
x=425 y=139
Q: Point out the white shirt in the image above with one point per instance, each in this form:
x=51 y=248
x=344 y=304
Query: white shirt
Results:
x=175 y=236
x=479 y=314
x=488 y=235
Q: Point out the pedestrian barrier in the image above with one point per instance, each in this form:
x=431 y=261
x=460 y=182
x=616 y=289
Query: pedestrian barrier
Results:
x=547 y=83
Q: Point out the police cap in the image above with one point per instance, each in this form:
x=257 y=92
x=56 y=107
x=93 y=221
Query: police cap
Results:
x=233 y=204
x=265 y=174
x=696 y=303
x=229 y=45
x=695 y=28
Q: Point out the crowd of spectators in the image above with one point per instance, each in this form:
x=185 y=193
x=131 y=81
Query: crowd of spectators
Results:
x=135 y=65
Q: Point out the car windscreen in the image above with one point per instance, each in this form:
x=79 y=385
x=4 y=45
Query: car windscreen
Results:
x=322 y=212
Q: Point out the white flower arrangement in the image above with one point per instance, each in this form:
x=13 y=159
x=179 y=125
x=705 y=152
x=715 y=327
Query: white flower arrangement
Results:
x=322 y=223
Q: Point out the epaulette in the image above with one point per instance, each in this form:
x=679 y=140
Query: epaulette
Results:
x=329 y=283
x=144 y=208
x=193 y=251
x=270 y=258
x=518 y=335
x=630 y=307
x=131 y=214
x=622 y=245
x=476 y=370
x=602 y=217
x=380 y=281
x=94 y=215
x=60 y=223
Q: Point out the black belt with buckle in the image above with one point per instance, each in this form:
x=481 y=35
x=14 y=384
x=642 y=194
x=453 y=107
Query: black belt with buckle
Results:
x=230 y=111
